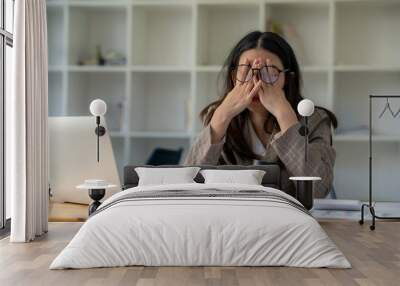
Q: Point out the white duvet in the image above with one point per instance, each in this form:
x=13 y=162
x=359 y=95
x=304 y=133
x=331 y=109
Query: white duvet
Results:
x=200 y=231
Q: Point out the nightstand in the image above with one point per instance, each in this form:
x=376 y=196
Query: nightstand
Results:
x=96 y=193
x=304 y=190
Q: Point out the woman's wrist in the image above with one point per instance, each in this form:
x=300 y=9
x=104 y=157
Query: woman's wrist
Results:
x=286 y=118
x=221 y=117
x=219 y=124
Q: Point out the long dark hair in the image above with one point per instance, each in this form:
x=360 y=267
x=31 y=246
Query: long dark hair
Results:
x=235 y=141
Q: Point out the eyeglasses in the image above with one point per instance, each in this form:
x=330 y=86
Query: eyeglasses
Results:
x=268 y=74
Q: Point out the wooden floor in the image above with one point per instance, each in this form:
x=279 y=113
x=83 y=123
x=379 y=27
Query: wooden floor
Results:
x=67 y=212
x=375 y=257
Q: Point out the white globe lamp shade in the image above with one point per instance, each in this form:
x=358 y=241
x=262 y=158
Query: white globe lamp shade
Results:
x=305 y=107
x=98 y=107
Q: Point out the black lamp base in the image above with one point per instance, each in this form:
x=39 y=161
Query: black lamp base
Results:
x=100 y=130
x=303 y=130
x=304 y=193
x=96 y=195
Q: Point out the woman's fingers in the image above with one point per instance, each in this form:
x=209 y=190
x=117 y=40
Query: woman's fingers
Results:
x=257 y=63
x=254 y=90
x=264 y=87
x=241 y=83
x=248 y=87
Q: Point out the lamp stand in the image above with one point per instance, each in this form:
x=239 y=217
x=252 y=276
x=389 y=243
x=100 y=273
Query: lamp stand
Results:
x=304 y=132
x=304 y=193
x=96 y=195
x=99 y=131
x=306 y=138
x=304 y=185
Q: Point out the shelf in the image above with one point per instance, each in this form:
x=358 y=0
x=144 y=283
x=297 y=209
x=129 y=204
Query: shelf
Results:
x=365 y=137
x=142 y=148
x=56 y=69
x=306 y=27
x=117 y=134
x=220 y=27
x=214 y=68
x=211 y=3
x=95 y=68
x=161 y=2
x=91 y=26
x=373 y=38
x=366 y=68
x=304 y=69
x=314 y=69
x=161 y=135
x=98 y=3
x=160 y=68
x=84 y=87
x=218 y=68
x=160 y=102
x=165 y=34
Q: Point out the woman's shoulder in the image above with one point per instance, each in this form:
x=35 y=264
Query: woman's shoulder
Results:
x=320 y=113
x=319 y=116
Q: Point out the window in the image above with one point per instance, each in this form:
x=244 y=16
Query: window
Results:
x=6 y=43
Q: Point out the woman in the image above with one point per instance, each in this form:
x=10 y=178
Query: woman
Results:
x=256 y=117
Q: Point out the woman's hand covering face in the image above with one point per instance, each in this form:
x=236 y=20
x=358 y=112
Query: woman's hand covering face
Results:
x=240 y=97
x=272 y=96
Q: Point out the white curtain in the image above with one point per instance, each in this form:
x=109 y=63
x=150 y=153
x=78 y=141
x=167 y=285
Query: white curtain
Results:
x=26 y=123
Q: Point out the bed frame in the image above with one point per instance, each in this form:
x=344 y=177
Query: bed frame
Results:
x=272 y=177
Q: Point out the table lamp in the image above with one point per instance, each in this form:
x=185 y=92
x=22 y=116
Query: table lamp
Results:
x=98 y=108
x=304 y=184
x=305 y=109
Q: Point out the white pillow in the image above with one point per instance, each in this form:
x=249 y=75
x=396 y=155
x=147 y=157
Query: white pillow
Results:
x=248 y=177
x=163 y=176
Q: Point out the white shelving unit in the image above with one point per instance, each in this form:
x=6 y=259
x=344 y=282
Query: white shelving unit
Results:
x=160 y=102
x=83 y=87
x=96 y=25
x=162 y=35
x=220 y=27
x=175 y=49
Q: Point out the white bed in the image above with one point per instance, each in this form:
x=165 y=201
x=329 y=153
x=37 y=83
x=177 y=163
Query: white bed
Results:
x=185 y=230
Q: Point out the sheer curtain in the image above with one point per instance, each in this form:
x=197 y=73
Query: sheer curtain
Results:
x=26 y=123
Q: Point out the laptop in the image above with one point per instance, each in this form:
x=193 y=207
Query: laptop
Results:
x=73 y=158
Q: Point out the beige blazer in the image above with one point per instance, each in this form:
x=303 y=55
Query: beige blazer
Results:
x=286 y=149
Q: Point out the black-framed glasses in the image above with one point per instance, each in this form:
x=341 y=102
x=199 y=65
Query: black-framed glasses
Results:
x=268 y=74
